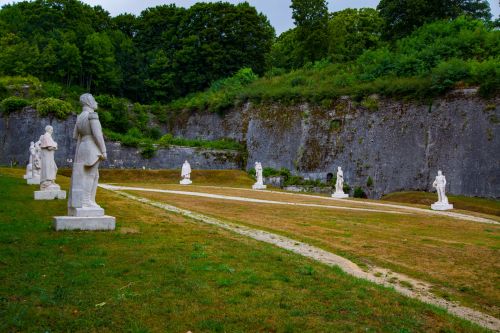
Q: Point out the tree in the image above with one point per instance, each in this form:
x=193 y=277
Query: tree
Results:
x=404 y=16
x=285 y=52
x=99 y=63
x=311 y=19
x=352 y=31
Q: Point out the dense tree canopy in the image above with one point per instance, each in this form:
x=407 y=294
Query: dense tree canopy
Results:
x=311 y=20
x=403 y=16
x=165 y=53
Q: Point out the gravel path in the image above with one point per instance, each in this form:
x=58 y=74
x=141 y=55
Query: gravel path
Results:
x=243 y=199
x=454 y=215
x=419 y=290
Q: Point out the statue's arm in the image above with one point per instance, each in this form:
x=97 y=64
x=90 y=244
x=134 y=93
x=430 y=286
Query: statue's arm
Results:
x=95 y=125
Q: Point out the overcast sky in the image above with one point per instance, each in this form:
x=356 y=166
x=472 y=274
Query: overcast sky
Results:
x=278 y=11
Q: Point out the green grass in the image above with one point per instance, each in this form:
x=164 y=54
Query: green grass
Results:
x=480 y=205
x=161 y=272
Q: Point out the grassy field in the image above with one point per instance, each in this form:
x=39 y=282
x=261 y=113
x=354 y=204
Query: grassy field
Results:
x=480 y=205
x=159 y=272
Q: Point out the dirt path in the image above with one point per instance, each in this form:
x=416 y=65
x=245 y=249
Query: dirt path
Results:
x=419 y=290
x=243 y=199
x=408 y=209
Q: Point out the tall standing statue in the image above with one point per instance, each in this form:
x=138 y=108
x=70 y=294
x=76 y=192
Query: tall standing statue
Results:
x=440 y=186
x=49 y=190
x=84 y=213
x=339 y=185
x=259 y=185
x=186 y=174
x=29 y=167
x=36 y=164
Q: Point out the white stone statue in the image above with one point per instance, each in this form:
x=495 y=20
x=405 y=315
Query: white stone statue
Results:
x=49 y=190
x=339 y=185
x=84 y=213
x=186 y=174
x=29 y=167
x=259 y=185
x=36 y=164
x=440 y=185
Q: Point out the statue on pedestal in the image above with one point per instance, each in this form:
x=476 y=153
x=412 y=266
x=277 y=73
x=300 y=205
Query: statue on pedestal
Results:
x=49 y=168
x=440 y=185
x=29 y=167
x=36 y=164
x=339 y=185
x=84 y=213
x=186 y=174
x=259 y=185
x=49 y=190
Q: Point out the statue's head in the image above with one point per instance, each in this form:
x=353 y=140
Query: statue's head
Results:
x=339 y=168
x=440 y=173
x=185 y=162
x=88 y=100
x=49 y=129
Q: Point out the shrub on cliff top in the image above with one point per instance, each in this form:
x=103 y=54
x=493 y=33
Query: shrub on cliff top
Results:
x=53 y=107
x=12 y=104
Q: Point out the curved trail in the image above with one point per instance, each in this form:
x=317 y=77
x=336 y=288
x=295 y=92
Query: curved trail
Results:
x=459 y=216
x=234 y=198
x=381 y=276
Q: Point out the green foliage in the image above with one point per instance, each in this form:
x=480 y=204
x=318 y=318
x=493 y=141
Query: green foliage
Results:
x=26 y=86
x=403 y=16
x=359 y=193
x=353 y=31
x=166 y=53
x=13 y=103
x=223 y=144
x=148 y=150
x=369 y=182
x=53 y=107
x=311 y=19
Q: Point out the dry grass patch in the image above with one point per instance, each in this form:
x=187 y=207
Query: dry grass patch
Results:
x=460 y=258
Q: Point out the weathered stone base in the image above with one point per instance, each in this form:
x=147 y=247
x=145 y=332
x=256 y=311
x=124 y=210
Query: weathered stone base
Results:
x=186 y=182
x=50 y=195
x=340 y=195
x=26 y=177
x=84 y=223
x=33 y=181
x=259 y=187
x=441 y=206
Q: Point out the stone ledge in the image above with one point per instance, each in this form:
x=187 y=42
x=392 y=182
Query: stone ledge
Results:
x=84 y=223
x=50 y=195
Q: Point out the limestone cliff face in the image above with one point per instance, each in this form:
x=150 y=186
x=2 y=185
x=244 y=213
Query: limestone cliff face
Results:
x=19 y=129
x=399 y=144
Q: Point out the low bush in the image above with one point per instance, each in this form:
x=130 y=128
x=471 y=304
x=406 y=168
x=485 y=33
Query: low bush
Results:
x=359 y=193
x=53 y=107
x=12 y=104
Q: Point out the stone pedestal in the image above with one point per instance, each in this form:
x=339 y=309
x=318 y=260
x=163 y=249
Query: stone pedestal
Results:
x=259 y=187
x=33 y=181
x=91 y=218
x=340 y=195
x=50 y=195
x=186 y=182
x=441 y=206
x=26 y=177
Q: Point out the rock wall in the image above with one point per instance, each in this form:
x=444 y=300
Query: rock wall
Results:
x=399 y=144
x=19 y=129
